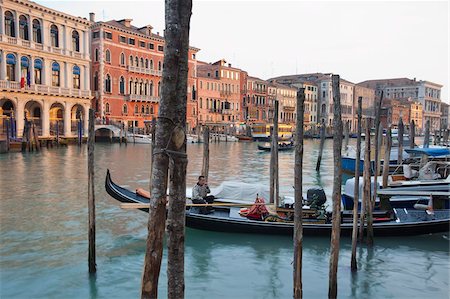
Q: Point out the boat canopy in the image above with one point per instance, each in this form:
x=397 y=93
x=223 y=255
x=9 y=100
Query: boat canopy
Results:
x=432 y=151
x=238 y=191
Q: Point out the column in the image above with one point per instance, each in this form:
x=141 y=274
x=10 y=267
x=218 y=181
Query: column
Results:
x=17 y=68
x=44 y=32
x=86 y=44
x=82 y=75
x=64 y=40
x=86 y=78
x=45 y=70
x=16 y=27
x=67 y=120
x=30 y=28
x=65 y=75
x=2 y=20
x=3 y=66
x=31 y=70
x=20 y=114
x=46 y=119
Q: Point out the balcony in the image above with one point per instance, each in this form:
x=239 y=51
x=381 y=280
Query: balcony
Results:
x=143 y=70
x=44 y=89
x=227 y=111
x=40 y=47
x=215 y=110
x=288 y=108
x=225 y=93
x=142 y=98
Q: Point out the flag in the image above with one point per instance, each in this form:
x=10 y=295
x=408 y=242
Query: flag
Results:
x=28 y=79
x=22 y=82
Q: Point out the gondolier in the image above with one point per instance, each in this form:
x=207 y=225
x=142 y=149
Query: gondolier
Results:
x=200 y=195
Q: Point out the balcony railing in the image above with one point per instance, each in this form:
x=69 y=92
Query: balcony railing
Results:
x=288 y=108
x=142 y=98
x=38 y=46
x=215 y=110
x=45 y=89
x=144 y=70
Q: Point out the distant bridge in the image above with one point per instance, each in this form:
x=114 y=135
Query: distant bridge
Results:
x=115 y=130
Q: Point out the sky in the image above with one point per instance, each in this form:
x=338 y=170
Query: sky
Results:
x=358 y=40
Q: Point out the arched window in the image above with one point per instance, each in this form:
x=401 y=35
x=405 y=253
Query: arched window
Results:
x=54 y=36
x=130 y=90
x=96 y=55
x=95 y=81
x=151 y=64
x=147 y=110
x=108 y=56
x=11 y=67
x=108 y=83
x=55 y=74
x=122 y=85
x=37 y=33
x=75 y=41
x=136 y=109
x=159 y=89
x=136 y=87
x=141 y=88
x=142 y=109
x=151 y=109
x=131 y=60
x=136 y=61
x=159 y=66
x=10 y=26
x=146 y=63
x=107 y=109
x=142 y=62
x=122 y=59
x=76 y=77
x=38 y=71
x=145 y=88
x=201 y=103
x=125 y=109
x=23 y=28
x=151 y=88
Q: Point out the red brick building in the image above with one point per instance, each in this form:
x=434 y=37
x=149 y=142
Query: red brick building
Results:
x=127 y=65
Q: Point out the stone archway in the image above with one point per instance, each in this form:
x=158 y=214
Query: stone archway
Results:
x=33 y=113
x=56 y=118
x=7 y=118
x=77 y=115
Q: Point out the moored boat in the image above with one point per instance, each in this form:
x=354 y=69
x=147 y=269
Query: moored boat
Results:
x=281 y=147
x=228 y=219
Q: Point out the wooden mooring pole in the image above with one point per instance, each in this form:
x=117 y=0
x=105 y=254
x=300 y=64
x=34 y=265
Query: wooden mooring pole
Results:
x=412 y=134
x=387 y=155
x=205 y=165
x=91 y=194
x=401 y=130
x=366 y=180
x=322 y=143
x=275 y=142
x=426 y=139
x=353 y=263
x=337 y=185
x=298 y=182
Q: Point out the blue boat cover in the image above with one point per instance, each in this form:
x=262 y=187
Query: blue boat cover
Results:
x=432 y=151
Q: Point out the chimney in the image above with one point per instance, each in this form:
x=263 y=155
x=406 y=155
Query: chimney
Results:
x=126 y=22
x=414 y=79
x=92 y=17
x=229 y=65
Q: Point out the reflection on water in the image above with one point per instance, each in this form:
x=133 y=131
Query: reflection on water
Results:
x=43 y=231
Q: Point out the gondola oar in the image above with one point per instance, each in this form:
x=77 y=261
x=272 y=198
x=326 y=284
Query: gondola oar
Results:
x=221 y=204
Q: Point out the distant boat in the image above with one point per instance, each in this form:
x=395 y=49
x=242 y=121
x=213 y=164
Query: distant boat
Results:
x=281 y=147
x=139 y=138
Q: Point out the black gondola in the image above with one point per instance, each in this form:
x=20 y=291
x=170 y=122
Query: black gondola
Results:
x=281 y=147
x=407 y=222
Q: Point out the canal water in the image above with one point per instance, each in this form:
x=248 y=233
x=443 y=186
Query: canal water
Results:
x=43 y=234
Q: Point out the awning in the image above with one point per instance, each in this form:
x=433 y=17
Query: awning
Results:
x=432 y=151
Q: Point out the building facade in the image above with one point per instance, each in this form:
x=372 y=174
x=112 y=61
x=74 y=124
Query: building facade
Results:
x=427 y=93
x=127 y=67
x=219 y=94
x=44 y=69
x=416 y=113
x=367 y=105
x=445 y=111
x=287 y=103
x=257 y=106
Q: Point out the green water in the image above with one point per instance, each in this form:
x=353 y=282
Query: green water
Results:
x=43 y=234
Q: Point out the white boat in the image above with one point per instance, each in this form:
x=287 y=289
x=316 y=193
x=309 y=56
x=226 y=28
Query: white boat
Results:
x=139 y=138
x=191 y=138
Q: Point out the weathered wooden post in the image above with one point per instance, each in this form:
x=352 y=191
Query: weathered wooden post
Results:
x=272 y=169
x=152 y=149
x=446 y=132
x=401 y=130
x=298 y=182
x=36 y=138
x=7 y=135
x=275 y=151
x=346 y=134
x=322 y=143
x=353 y=263
x=367 y=187
x=91 y=194
x=205 y=165
x=170 y=143
x=337 y=185
x=365 y=202
x=426 y=139
x=412 y=134
x=387 y=155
